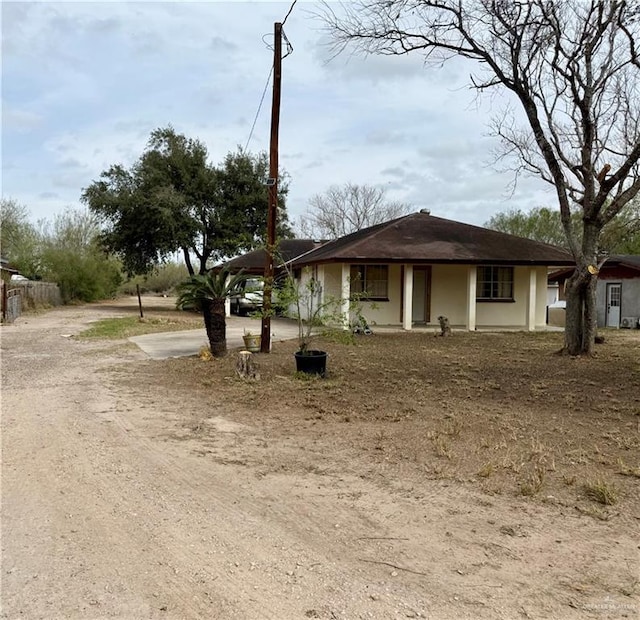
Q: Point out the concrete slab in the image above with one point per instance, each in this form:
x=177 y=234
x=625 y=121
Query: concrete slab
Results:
x=185 y=343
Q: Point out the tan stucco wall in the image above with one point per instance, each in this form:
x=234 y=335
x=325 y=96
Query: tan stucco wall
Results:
x=515 y=314
x=541 y=305
x=449 y=293
x=449 y=298
x=386 y=312
x=332 y=276
x=378 y=313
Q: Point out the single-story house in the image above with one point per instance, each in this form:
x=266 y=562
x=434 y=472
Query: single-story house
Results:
x=617 y=291
x=411 y=270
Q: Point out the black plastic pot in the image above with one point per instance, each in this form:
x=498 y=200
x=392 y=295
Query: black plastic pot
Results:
x=311 y=362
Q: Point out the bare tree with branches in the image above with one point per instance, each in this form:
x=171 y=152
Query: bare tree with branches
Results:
x=341 y=210
x=574 y=69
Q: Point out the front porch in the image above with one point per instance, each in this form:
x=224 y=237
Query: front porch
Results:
x=415 y=295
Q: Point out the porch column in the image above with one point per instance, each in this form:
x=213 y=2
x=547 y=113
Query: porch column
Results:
x=531 y=306
x=345 y=294
x=472 y=283
x=227 y=301
x=320 y=278
x=407 y=300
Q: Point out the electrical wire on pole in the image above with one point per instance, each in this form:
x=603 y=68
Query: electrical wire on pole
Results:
x=272 y=184
x=255 y=120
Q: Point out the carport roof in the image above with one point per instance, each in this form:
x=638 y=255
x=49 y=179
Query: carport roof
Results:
x=423 y=238
x=288 y=249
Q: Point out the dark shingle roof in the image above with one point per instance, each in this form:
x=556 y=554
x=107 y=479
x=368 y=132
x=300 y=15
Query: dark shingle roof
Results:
x=423 y=238
x=631 y=261
x=288 y=249
x=627 y=260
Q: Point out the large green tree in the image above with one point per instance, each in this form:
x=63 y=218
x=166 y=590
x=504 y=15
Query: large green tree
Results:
x=540 y=224
x=172 y=199
x=573 y=70
x=620 y=236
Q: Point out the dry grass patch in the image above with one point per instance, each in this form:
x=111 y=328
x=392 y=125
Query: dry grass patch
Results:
x=601 y=491
x=403 y=408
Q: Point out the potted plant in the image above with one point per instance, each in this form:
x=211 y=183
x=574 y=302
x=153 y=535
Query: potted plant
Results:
x=303 y=301
x=252 y=342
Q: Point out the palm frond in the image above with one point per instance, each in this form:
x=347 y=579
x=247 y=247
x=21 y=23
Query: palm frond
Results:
x=209 y=287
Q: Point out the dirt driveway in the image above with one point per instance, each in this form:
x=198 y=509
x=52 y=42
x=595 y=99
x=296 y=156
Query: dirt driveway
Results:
x=109 y=510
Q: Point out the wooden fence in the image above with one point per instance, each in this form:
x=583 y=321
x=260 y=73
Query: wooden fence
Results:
x=25 y=295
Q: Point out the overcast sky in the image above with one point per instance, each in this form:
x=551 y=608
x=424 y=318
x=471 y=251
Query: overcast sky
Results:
x=84 y=84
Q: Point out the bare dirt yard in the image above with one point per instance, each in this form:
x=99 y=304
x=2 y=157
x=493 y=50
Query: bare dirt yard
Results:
x=477 y=476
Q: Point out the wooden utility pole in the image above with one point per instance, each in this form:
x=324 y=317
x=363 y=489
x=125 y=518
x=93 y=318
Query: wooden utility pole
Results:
x=273 y=190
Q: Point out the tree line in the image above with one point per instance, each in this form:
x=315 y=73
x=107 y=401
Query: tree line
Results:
x=620 y=236
x=65 y=250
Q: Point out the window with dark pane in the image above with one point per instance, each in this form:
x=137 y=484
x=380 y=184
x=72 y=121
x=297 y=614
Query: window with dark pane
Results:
x=370 y=281
x=495 y=283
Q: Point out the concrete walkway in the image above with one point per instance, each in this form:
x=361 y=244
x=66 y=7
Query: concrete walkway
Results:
x=184 y=343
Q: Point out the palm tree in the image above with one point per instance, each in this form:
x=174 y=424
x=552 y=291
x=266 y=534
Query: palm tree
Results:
x=207 y=293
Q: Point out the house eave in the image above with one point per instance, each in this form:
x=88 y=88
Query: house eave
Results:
x=358 y=260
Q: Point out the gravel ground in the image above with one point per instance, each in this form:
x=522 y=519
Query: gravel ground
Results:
x=133 y=488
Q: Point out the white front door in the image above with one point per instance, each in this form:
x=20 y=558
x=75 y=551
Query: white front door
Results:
x=613 y=305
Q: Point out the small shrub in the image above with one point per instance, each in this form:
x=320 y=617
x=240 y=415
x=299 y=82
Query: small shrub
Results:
x=601 y=491
x=442 y=447
x=339 y=336
x=205 y=354
x=454 y=427
x=533 y=484
x=163 y=279
x=486 y=470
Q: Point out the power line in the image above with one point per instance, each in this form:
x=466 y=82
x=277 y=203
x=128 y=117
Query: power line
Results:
x=255 y=120
x=264 y=92
x=289 y=12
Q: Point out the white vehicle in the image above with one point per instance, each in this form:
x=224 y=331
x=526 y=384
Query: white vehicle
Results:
x=247 y=297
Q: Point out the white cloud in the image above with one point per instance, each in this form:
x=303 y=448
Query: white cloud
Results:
x=19 y=120
x=85 y=83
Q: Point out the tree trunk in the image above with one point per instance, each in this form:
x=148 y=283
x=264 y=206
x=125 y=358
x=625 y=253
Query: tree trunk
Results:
x=580 y=324
x=206 y=315
x=187 y=260
x=574 y=320
x=246 y=366
x=204 y=258
x=217 y=330
x=590 y=316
